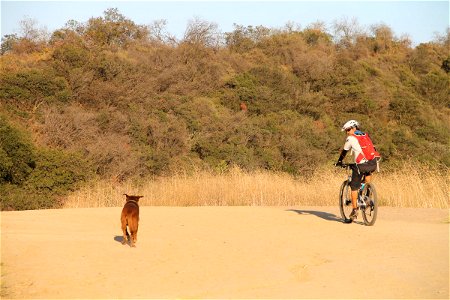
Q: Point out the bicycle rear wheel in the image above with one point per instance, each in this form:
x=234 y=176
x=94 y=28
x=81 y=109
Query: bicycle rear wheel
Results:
x=345 y=201
x=369 y=195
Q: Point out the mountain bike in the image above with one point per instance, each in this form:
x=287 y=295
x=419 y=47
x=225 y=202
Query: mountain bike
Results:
x=367 y=200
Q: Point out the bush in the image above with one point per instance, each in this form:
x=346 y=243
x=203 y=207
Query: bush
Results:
x=73 y=56
x=435 y=87
x=23 y=198
x=262 y=89
x=405 y=108
x=33 y=178
x=141 y=106
x=30 y=87
x=17 y=159
x=58 y=172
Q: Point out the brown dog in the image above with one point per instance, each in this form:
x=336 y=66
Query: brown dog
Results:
x=130 y=218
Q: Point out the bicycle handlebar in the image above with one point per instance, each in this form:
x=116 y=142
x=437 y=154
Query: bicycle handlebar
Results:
x=345 y=166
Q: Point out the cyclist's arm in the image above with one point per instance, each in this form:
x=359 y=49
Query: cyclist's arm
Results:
x=349 y=142
x=341 y=157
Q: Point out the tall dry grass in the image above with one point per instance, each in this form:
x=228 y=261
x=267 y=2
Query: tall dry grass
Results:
x=404 y=187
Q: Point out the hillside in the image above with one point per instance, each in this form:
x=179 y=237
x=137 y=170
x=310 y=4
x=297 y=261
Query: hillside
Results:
x=113 y=99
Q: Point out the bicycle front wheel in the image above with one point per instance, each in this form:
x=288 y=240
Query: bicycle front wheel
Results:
x=369 y=195
x=345 y=201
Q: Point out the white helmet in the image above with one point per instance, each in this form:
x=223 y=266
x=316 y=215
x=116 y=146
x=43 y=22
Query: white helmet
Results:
x=350 y=124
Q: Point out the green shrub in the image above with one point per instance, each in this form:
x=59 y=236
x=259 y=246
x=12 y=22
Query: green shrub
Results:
x=143 y=107
x=23 y=198
x=435 y=88
x=33 y=86
x=17 y=159
x=405 y=107
x=58 y=172
x=33 y=178
x=55 y=174
x=74 y=56
x=446 y=65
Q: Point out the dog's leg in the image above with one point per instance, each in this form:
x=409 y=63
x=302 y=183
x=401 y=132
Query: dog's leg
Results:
x=124 y=229
x=133 y=239
x=135 y=236
x=133 y=232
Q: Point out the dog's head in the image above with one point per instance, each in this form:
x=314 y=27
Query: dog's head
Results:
x=133 y=198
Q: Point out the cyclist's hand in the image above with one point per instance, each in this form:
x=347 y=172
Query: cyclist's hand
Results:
x=338 y=164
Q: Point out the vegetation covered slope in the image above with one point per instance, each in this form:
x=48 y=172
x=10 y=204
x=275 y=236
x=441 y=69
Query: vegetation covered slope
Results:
x=113 y=99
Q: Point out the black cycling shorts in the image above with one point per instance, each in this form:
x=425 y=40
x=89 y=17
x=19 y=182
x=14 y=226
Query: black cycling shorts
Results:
x=360 y=170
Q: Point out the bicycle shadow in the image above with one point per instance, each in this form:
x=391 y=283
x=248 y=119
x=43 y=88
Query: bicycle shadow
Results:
x=319 y=214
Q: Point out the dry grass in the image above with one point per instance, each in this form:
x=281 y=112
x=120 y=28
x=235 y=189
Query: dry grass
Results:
x=407 y=187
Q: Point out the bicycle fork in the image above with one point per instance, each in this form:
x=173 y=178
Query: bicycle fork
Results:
x=361 y=203
x=364 y=201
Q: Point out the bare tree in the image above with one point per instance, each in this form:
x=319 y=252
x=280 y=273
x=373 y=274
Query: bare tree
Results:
x=75 y=26
x=405 y=40
x=202 y=32
x=318 y=25
x=346 y=31
x=384 y=37
x=291 y=26
x=443 y=39
x=158 y=32
x=29 y=30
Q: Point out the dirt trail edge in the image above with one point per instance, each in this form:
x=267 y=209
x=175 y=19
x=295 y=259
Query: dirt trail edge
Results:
x=225 y=252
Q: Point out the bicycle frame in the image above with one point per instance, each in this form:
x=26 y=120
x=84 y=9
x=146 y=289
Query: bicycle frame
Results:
x=366 y=199
x=360 y=201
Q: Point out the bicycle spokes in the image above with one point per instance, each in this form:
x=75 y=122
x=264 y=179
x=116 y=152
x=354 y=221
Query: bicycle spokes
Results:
x=345 y=201
x=370 y=200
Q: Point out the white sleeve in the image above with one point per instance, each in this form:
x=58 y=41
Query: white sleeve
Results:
x=352 y=143
x=348 y=144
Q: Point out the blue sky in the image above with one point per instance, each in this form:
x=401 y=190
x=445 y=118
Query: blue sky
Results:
x=419 y=19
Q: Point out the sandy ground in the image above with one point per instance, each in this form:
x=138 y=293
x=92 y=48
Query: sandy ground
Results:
x=225 y=252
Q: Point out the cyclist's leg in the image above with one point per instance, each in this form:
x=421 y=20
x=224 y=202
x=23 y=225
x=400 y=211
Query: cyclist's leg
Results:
x=368 y=169
x=355 y=199
x=355 y=185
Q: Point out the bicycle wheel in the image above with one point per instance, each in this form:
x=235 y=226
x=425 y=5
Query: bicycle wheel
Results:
x=345 y=201
x=369 y=195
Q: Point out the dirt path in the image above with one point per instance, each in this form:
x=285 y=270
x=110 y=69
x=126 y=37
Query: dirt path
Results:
x=225 y=252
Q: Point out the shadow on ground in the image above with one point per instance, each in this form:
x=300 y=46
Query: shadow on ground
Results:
x=118 y=238
x=320 y=214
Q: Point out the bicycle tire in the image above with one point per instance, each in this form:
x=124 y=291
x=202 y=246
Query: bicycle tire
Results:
x=369 y=214
x=345 y=202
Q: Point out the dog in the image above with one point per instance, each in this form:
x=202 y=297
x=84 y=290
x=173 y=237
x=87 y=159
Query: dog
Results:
x=130 y=218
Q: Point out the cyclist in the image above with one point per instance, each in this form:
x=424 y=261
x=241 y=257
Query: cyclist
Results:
x=365 y=156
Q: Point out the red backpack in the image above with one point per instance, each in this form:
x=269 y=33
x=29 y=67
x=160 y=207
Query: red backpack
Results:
x=368 y=150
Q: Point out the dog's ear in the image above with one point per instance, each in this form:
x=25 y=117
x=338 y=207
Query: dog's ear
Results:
x=136 y=198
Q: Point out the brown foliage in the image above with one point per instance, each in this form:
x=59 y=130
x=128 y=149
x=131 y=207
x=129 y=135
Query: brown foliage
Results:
x=135 y=101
